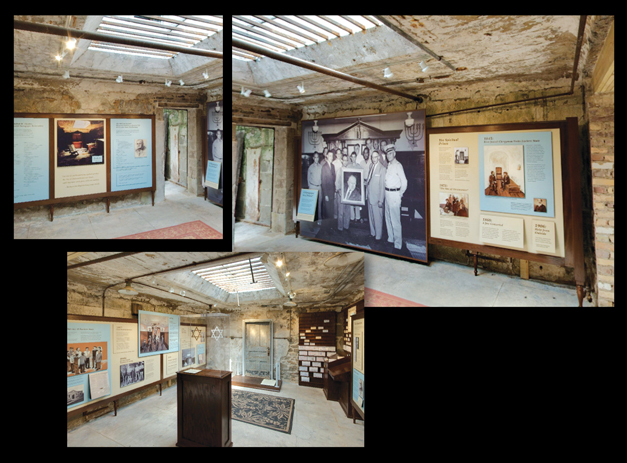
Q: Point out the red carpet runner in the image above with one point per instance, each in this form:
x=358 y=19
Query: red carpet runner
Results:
x=197 y=230
x=373 y=298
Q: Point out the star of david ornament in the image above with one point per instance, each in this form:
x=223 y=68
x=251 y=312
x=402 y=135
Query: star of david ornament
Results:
x=216 y=333
x=196 y=334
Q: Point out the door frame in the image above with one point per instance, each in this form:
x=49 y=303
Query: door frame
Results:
x=255 y=320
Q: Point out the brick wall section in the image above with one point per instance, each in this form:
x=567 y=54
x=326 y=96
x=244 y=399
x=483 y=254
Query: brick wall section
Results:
x=601 y=119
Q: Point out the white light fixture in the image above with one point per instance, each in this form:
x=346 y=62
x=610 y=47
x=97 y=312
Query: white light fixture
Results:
x=119 y=79
x=387 y=73
x=128 y=289
x=423 y=66
x=409 y=121
x=71 y=44
x=181 y=82
x=267 y=93
x=58 y=57
x=217 y=106
x=168 y=83
x=246 y=93
x=66 y=75
x=205 y=75
x=301 y=88
x=315 y=127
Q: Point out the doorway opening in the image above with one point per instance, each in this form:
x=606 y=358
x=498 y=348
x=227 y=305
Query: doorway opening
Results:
x=175 y=166
x=254 y=193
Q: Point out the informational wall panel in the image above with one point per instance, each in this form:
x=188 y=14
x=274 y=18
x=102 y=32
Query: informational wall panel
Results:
x=131 y=154
x=498 y=188
x=31 y=160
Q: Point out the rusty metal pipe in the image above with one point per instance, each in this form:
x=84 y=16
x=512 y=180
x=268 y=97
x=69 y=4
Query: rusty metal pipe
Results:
x=78 y=34
x=318 y=68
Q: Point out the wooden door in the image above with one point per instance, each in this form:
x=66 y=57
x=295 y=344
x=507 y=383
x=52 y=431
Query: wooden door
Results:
x=258 y=349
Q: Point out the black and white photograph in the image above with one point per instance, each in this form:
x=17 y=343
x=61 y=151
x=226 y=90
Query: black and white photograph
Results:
x=215 y=146
x=370 y=172
x=461 y=155
x=189 y=357
x=131 y=373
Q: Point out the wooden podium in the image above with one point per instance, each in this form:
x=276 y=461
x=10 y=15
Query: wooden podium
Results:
x=204 y=409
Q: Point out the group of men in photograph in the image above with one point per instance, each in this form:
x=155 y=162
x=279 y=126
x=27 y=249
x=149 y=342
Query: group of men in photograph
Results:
x=78 y=362
x=384 y=185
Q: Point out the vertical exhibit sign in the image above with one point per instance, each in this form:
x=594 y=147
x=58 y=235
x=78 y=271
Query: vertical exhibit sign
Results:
x=370 y=174
x=358 y=392
x=79 y=157
x=131 y=154
x=88 y=362
x=158 y=333
x=213 y=178
x=31 y=161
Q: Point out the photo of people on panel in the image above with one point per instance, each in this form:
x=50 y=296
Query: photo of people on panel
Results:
x=370 y=174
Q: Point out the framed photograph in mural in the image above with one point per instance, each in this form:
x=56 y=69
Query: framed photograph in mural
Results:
x=158 y=333
x=214 y=152
x=383 y=208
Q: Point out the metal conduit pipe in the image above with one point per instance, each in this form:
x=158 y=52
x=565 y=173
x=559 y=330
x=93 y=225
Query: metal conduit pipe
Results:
x=78 y=34
x=318 y=68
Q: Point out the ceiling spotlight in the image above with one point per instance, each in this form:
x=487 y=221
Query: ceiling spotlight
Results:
x=128 y=289
x=301 y=88
x=205 y=75
x=66 y=75
x=267 y=93
x=58 y=57
x=423 y=66
x=71 y=44
x=246 y=93
x=168 y=83
x=387 y=73
x=119 y=79
x=279 y=263
x=181 y=82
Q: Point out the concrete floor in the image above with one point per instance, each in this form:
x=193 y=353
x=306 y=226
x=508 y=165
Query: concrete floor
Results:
x=151 y=422
x=179 y=207
x=425 y=284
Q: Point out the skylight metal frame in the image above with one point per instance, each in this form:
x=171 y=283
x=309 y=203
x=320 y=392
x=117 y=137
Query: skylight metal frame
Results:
x=238 y=276
x=181 y=30
x=284 y=33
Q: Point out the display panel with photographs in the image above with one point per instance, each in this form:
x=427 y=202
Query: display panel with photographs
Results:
x=369 y=172
x=215 y=135
x=158 y=333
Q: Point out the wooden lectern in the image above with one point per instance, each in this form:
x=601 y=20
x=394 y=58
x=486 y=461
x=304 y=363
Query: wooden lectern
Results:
x=204 y=409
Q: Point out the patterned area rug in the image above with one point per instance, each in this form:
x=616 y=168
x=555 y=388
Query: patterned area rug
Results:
x=197 y=230
x=373 y=298
x=264 y=410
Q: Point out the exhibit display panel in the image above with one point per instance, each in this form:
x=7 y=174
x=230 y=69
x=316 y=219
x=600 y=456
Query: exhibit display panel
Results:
x=358 y=380
x=158 y=333
x=512 y=190
x=60 y=158
x=214 y=168
x=498 y=188
x=31 y=159
x=103 y=361
x=370 y=175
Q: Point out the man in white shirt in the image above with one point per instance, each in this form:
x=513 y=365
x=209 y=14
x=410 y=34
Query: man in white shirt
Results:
x=395 y=186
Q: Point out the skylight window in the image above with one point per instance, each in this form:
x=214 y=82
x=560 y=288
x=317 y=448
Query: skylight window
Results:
x=282 y=33
x=184 y=31
x=241 y=276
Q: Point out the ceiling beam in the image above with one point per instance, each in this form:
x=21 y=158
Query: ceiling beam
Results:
x=318 y=68
x=78 y=34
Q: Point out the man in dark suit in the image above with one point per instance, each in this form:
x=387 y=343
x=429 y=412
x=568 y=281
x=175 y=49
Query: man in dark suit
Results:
x=328 y=186
x=352 y=193
x=375 y=192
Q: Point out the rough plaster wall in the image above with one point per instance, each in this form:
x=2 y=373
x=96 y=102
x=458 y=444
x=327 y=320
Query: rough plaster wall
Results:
x=87 y=96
